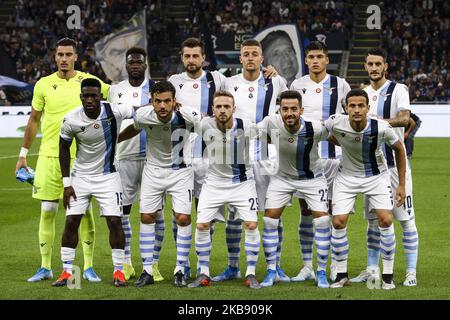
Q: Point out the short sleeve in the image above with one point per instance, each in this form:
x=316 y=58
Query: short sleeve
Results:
x=66 y=130
x=222 y=80
x=402 y=98
x=38 y=101
x=126 y=111
x=294 y=85
x=390 y=137
x=281 y=84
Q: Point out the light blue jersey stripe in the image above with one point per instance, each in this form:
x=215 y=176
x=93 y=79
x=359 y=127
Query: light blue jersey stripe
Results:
x=326 y=100
x=143 y=133
x=108 y=142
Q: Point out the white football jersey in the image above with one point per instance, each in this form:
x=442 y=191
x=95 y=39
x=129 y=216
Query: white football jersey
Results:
x=197 y=93
x=298 y=155
x=361 y=151
x=321 y=100
x=166 y=141
x=124 y=92
x=96 y=138
x=385 y=103
x=256 y=99
x=228 y=152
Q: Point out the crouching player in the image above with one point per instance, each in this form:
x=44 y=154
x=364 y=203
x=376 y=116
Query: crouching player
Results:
x=95 y=127
x=300 y=170
x=363 y=170
x=229 y=181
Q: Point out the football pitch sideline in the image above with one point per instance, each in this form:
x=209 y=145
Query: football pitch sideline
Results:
x=20 y=258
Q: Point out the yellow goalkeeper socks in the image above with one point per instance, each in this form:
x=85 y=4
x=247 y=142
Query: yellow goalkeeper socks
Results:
x=87 y=237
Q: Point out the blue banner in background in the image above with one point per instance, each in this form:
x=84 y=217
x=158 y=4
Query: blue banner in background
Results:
x=16 y=91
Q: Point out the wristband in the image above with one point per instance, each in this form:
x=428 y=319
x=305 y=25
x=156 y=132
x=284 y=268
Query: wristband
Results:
x=23 y=152
x=66 y=182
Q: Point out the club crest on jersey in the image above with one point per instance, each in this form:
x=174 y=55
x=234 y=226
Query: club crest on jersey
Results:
x=304 y=90
x=291 y=140
x=235 y=89
x=385 y=96
x=135 y=94
x=195 y=85
x=374 y=98
x=96 y=126
x=251 y=89
x=330 y=91
x=357 y=139
x=166 y=128
x=318 y=90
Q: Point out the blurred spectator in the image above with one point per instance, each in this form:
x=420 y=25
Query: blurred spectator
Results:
x=415 y=35
x=3 y=99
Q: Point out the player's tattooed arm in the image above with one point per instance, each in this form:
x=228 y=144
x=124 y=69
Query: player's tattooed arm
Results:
x=64 y=162
x=128 y=133
x=400 y=160
x=269 y=72
x=333 y=140
x=401 y=120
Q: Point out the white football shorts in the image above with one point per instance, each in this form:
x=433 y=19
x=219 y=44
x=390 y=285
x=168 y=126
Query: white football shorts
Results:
x=131 y=176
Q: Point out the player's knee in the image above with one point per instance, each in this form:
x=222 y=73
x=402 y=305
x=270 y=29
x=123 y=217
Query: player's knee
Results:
x=203 y=226
x=49 y=206
x=148 y=218
x=385 y=220
x=183 y=219
x=73 y=222
x=251 y=225
x=339 y=222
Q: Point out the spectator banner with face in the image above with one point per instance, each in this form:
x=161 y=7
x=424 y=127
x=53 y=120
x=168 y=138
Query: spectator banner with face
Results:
x=111 y=49
x=282 y=48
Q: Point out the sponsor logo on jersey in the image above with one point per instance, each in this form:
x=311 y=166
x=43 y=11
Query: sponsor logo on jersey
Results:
x=180 y=85
x=250 y=95
x=120 y=95
x=235 y=89
x=82 y=129
x=54 y=86
x=304 y=90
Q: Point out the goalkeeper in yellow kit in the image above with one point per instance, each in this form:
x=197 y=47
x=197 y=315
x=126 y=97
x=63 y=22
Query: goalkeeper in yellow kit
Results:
x=54 y=96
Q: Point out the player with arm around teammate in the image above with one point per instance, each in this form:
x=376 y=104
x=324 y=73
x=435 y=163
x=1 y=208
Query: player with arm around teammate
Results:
x=95 y=127
x=300 y=170
x=229 y=181
x=165 y=171
x=363 y=170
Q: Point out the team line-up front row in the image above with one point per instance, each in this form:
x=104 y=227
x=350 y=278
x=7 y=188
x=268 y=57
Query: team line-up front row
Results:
x=233 y=145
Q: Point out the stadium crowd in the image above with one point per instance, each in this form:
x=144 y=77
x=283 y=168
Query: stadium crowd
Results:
x=415 y=34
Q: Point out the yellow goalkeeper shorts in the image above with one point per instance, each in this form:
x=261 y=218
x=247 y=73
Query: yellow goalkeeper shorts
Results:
x=48 y=179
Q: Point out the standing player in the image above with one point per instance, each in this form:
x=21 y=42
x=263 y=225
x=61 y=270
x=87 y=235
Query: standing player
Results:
x=390 y=101
x=363 y=170
x=165 y=171
x=131 y=155
x=300 y=170
x=322 y=96
x=255 y=97
x=54 y=96
x=95 y=127
x=195 y=87
x=230 y=181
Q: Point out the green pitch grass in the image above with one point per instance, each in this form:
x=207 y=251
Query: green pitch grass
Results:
x=20 y=258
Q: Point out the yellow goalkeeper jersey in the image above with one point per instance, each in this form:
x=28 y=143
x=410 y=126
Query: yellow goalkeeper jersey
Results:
x=55 y=97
